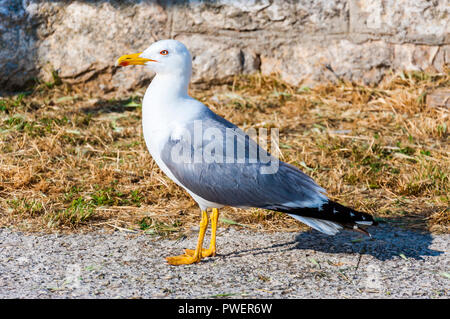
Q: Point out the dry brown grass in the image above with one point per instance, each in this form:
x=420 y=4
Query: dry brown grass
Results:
x=74 y=162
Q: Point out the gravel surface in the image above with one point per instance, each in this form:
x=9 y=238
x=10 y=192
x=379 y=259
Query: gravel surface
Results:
x=395 y=263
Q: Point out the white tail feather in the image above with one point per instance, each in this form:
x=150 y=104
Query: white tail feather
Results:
x=324 y=226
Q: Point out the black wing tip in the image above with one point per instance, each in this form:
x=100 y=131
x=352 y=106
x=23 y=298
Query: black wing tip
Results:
x=332 y=211
x=351 y=215
x=358 y=220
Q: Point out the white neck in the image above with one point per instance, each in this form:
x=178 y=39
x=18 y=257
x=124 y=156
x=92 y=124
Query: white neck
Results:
x=166 y=87
x=166 y=100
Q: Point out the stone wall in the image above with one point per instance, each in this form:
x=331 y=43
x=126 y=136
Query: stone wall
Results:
x=360 y=39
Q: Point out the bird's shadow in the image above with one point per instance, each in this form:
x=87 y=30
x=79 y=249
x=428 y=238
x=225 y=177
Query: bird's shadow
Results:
x=387 y=242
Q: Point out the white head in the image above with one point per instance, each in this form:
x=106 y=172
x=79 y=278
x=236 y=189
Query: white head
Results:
x=163 y=57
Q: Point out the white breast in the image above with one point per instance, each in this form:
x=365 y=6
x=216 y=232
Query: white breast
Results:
x=162 y=121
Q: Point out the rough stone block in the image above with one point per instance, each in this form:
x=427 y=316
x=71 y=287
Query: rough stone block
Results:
x=360 y=39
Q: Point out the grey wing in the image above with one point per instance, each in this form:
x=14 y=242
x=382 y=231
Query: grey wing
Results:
x=225 y=166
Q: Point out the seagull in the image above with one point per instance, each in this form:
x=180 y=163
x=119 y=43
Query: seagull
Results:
x=217 y=163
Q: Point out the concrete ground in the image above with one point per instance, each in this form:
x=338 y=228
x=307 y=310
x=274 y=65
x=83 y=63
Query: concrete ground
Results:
x=395 y=263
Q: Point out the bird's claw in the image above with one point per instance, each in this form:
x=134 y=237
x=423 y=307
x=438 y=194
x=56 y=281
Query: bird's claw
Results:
x=182 y=260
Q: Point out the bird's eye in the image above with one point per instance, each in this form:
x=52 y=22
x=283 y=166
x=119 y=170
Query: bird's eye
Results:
x=164 y=52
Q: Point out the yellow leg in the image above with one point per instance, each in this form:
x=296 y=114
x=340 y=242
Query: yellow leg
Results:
x=197 y=255
x=211 y=251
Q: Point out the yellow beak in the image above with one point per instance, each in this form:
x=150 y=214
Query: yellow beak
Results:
x=132 y=59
